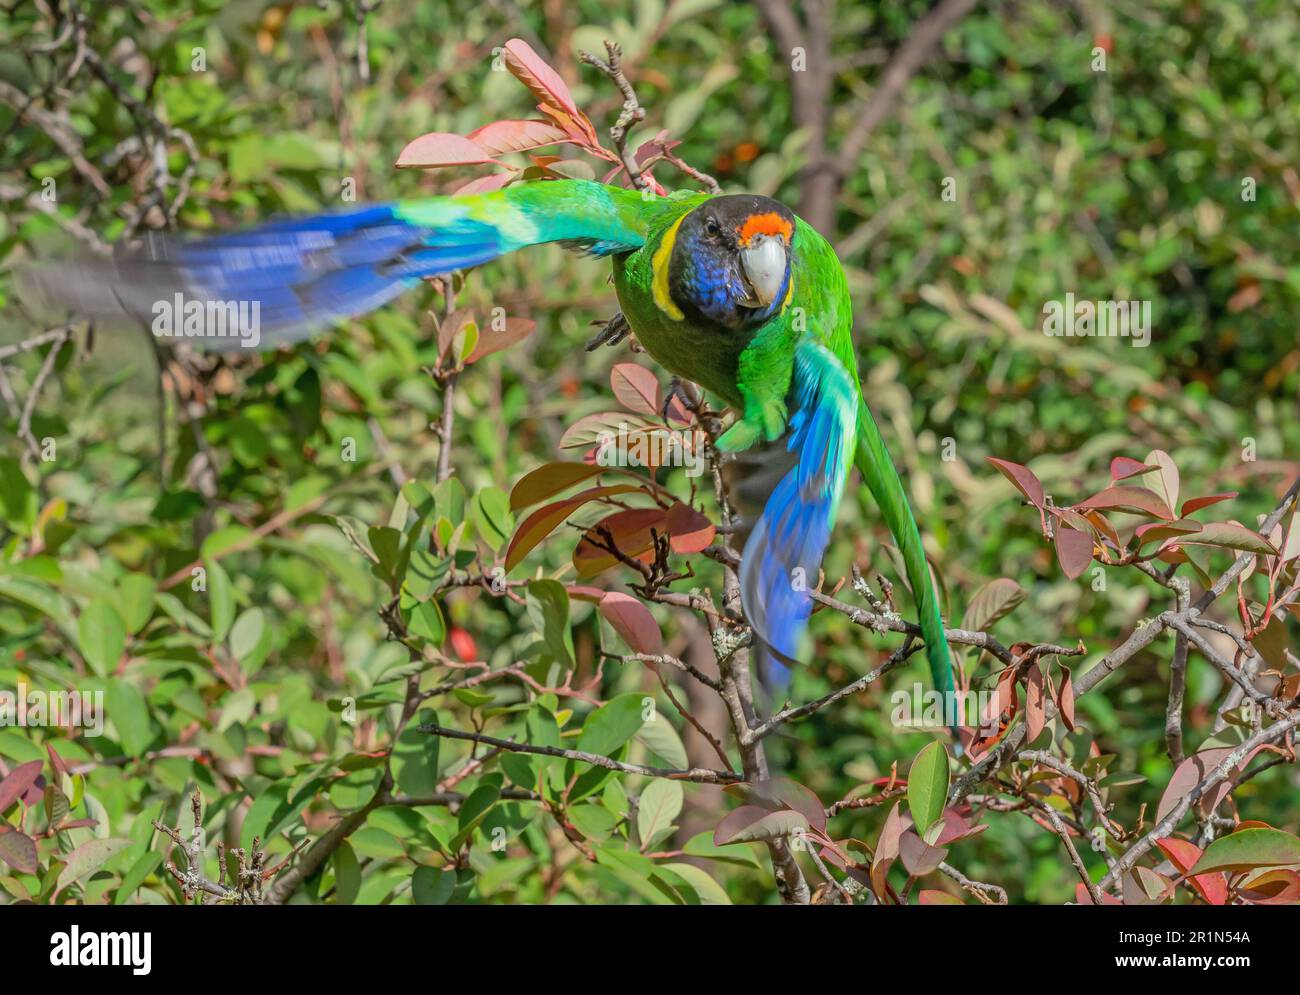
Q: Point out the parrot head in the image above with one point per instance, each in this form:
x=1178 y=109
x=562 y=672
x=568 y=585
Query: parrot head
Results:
x=730 y=262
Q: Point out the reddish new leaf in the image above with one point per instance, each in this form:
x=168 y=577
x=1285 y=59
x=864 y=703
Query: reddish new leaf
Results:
x=1136 y=500
x=1023 y=479
x=544 y=521
x=636 y=388
x=1073 y=550
x=1160 y=531
x=691 y=530
x=932 y=896
x=1230 y=535
x=1122 y=467
x=1197 y=503
x=548 y=480
x=441 y=148
x=1184 y=855
x=633 y=622
x=18 y=850
x=887 y=851
x=1065 y=699
x=552 y=93
x=918 y=856
x=15 y=785
x=484 y=184
x=632 y=533
x=749 y=824
x=500 y=137
x=1035 y=703
x=1276 y=887
x=498 y=335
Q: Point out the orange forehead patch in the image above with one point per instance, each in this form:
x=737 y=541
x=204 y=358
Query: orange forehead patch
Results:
x=765 y=224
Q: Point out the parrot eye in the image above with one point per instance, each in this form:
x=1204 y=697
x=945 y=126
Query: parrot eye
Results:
x=711 y=227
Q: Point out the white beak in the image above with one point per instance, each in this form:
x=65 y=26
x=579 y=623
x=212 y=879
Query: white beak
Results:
x=764 y=264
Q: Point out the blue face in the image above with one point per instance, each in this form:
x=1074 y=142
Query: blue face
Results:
x=731 y=261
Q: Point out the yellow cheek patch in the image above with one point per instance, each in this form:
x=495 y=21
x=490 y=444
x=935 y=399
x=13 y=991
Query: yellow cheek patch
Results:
x=659 y=267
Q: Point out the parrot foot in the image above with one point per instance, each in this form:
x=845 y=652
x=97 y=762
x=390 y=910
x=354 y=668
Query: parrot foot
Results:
x=685 y=395
x=614 y=331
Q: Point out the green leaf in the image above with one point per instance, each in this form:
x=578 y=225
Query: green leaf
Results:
x=609 y=727
x=129 y=713
x=88 y=858
x=492 y=517
x=927 y=788
x=221 y=600
x=347 y=874
x=430 y=886
x=136 y=601
x=709 y=890
x=250 y=640
x=548 y=608
x=1249 y=848
x=426 y=622
x=147 y=863
x=101 y=636
x=17 y=498
x=660 y=804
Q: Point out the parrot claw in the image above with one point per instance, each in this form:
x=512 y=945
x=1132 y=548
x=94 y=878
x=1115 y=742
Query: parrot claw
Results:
x=614 y=331
x=681 y=391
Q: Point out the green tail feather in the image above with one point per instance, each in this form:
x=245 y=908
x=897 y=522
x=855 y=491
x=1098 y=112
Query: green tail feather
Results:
x=878 y=471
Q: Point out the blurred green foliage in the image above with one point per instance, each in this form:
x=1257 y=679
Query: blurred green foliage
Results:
x=271 y=686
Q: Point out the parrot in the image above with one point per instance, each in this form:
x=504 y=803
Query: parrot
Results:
x=732 y=292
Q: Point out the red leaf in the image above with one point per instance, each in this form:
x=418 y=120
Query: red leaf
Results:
x=1065 y=699
x=1081 y=896
x=636 y=388
x=1073 y=550
x=550 y=90
x=1230 y=535
x=548 y=480
x=1276 y=887
x=15 y=785
x=1122 y=467
x=918 y=856
x=441 y=148
x=630 y=531
x=1023 y=479
x=1184 y=855
x=18 y=850
x=1197 y=503
x=780 y=793
x=932 y=896
x=1137 y=500
x=1035 y=703
x=887 y=850
x=544 y=521
x=500 y=137
x=633 y=622
x=1160 y=531
x=484 y=184
x=691 y=531
x=1191 y=772
x=493 y=339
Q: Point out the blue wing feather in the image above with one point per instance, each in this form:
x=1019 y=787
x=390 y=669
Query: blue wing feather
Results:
x=784 y=551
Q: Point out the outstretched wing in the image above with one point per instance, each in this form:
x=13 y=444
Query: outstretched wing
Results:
x=784 y=552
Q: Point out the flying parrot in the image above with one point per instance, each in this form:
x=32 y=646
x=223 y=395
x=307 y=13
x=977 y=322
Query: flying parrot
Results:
x=732 y=292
